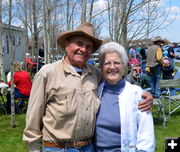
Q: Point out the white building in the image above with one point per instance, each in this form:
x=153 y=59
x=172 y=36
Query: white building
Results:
x=19 y=45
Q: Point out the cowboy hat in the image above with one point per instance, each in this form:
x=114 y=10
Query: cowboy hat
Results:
x=86 y=30
x=158 y=39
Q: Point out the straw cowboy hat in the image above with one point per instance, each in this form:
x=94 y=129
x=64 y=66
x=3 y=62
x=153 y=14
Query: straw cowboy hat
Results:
x=86 y=30
x=158 y=39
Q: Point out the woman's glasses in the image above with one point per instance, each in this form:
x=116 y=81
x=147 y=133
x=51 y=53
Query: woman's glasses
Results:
x=114 y=63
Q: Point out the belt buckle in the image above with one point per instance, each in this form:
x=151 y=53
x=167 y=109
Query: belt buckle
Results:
x=74 y=144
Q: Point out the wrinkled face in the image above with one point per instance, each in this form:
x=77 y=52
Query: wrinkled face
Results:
x=78 y=51
x=112 y=68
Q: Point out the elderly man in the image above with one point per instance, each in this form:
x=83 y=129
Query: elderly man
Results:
x=64 y=102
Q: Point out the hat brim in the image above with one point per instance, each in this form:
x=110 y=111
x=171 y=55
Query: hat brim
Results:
x=162 y=41
x=65 y=35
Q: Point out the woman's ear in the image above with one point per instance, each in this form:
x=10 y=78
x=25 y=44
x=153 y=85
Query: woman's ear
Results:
x=125 y=70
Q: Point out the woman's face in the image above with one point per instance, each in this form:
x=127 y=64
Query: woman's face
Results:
x=112 y=68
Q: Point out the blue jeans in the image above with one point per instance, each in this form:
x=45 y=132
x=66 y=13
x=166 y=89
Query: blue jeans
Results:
x=155 y=73
x=143 y=66
x=172 y=62
x=108 y=149
x=17 y=94
x=88 y=148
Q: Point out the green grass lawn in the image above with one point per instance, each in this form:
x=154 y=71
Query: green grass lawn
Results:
x=11 y=138
x=177 y=64
x=171 y=129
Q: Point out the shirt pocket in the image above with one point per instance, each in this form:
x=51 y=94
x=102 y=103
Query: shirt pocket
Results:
x=62 y=101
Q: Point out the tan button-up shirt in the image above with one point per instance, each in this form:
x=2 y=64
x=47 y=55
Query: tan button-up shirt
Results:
x=62 y=105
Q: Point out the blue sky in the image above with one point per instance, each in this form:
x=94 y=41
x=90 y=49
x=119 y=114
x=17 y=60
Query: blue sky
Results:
x=172 y=32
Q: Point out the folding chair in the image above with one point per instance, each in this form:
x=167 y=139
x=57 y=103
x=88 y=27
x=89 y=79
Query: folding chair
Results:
x=159 y=102
x=173 y=101
x=2 y=105
x=21 y=104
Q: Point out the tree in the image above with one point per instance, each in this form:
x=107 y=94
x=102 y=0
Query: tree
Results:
x=127 y=19
x=2 y=74
x=13 y=121
x=35 y=22
x=83 y=10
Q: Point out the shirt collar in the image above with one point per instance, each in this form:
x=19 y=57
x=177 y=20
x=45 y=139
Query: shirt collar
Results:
x=69 y=69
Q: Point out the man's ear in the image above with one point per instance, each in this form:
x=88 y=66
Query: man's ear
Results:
x=66 y=43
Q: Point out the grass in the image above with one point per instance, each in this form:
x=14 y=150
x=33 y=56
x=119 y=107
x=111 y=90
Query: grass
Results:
x=11 y=138
x=177 y=64
x=171 y=129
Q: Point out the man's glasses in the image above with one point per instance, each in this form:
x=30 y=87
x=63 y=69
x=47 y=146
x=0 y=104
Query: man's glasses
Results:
x=115 y=63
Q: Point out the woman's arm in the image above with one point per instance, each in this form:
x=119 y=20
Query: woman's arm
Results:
x=145 y=134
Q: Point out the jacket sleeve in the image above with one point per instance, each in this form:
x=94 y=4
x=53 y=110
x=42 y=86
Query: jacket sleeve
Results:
x=145 y=134
x=37 y=102
x=159 y=55
x=145 y=127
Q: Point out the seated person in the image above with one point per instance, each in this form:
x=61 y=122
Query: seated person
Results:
x=167 y=69
x=132 y=60
x=22 y=83
x=134 y=69
x=146 y=79
x=168 y=73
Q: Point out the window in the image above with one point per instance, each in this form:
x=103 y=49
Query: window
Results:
x=19 y=41
x=7 y=44
x=3 y=43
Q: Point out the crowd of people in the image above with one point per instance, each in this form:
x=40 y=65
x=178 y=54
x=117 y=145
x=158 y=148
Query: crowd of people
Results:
x=151 y=64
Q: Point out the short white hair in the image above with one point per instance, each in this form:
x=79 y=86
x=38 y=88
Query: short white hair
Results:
x=113 y=47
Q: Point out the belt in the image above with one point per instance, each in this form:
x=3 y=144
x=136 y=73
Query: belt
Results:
x=75 y=144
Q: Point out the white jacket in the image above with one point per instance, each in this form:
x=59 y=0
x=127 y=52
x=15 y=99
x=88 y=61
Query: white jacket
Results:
x=137 y=128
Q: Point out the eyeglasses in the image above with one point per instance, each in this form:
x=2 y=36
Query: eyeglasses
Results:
x=115 y=63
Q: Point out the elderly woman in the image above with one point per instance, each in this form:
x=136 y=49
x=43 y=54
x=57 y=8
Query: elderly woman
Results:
x=120 y=125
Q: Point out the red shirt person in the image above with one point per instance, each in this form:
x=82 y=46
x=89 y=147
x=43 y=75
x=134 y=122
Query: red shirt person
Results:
x=29 y=63
x=22 y=82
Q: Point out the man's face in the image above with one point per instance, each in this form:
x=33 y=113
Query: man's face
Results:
x=78 y=50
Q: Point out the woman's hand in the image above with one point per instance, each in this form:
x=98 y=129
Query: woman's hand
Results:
x=147 y=103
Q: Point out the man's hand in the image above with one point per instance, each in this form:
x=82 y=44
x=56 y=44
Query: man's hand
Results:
x=147 y=103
